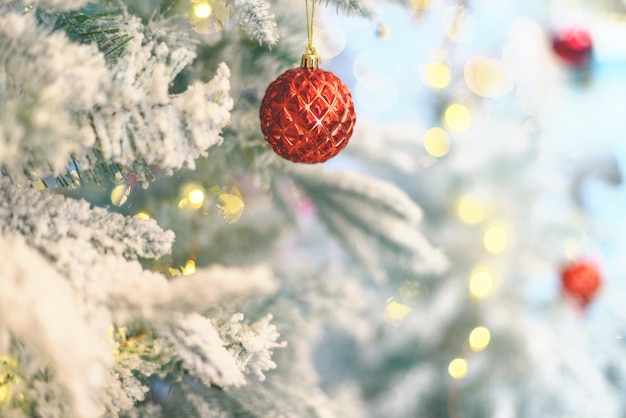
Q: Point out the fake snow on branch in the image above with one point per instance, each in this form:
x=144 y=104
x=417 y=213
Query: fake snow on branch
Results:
x=376 y=220
x=44 y=81
x=256 y=20
x=155 y=300
x=142 y=121
x=38 y=307
x=60 y=100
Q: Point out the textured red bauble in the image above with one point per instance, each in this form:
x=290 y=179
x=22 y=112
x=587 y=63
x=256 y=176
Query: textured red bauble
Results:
x=573 y=45
x=307 y=115
x=581 y=280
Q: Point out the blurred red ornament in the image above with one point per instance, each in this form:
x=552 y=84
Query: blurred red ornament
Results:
x=307 y=115
x=581 y=280
x=573 y=45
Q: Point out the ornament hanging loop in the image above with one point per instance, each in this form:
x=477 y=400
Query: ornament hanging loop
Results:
x=310 y=59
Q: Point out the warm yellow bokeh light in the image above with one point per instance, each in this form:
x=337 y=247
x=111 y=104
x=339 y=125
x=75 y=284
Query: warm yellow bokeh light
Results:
x=486 y=77
x=479 y=338
x=470 y=209
x=395 y=311
x=481 y=283
x=8 y=378
x=437 y=74
x=202 y=10
x=143 y=215
x=458 y=368
x=410 y=289
x=190 y=268
x=231 y=204
x=496 y=239
x=457 y=117
x=436 y=142
x=195 y=198
x=120 y=193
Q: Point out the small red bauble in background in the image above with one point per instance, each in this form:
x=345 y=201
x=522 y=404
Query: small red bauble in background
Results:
x=581 y=280
x=573 y=45
x=307 y=114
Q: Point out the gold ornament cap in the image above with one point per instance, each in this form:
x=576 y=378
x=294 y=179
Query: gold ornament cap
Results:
x=310 y=60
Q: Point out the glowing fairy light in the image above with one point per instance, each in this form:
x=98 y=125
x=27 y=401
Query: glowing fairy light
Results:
x=190 y=268
x=437 y=142
x=195 y=198
x=437 y=74
x=496 y=239
x=481 y=283
x=202 y=10
x=457 y=117
x=479 y=338
x=143 y=215
x=8 y=378
x=470 y=209
x=231 y=203
x=486 y=77
x=458 y=368
x=120 y=194
x=395 y=311
x=208 y=16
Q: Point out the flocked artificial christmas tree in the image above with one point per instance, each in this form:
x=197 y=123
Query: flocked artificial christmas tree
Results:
x=160 y=260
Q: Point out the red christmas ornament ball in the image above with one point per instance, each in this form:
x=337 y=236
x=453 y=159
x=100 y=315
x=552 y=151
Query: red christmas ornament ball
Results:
x=573 y=45
x=581 y=280
x=307 y=115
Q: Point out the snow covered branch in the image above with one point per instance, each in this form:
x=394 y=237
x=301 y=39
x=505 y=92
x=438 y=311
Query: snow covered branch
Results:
x=256 y=20
x=375 y=219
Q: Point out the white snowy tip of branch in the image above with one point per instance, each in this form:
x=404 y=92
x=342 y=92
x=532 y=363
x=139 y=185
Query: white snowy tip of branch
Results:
x=37 y=306
x=59 y=4
x=44 y=80
x=371 y=192
x=352 y=6
x=156 y=299
x=199 y=346
x=374 y=218
x=147 y=124
x=251 y=345
x=256 y=20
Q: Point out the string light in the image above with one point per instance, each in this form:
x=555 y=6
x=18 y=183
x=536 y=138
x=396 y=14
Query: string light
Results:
x=8 y=379
x=395 y=311
x=120 y=194
x=458 y=368
x=457 y=117
x=479 y=338
x=481 y=283
x=436 y=142
x=470 y=209
x=196 y=198
x=496 y=239
x=437 y=74
x=486 y=77
x=202 y=10
x=231 y=204
x=190 y=268
x=208 y=16
x=410 y=289
x=143 y=215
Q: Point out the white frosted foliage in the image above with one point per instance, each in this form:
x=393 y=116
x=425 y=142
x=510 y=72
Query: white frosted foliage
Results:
x=201 y=349
x=44 y=81
x=37 y=305
x=251 y=345
x=255 y=18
